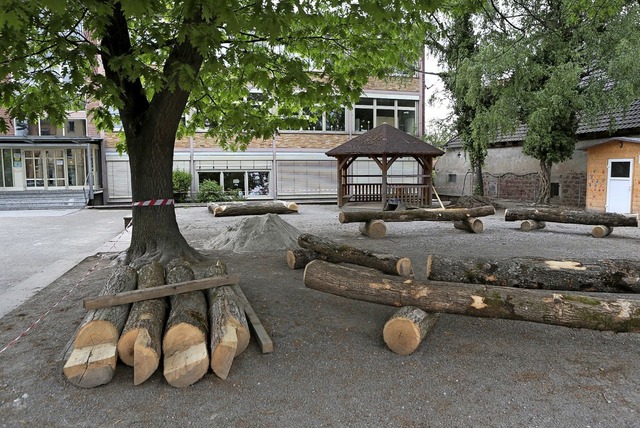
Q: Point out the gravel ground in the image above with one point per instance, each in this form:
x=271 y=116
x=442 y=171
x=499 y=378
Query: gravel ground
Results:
x=330 y=366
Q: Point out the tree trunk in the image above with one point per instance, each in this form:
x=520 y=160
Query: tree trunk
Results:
x=545 y=182
x=555 y=215
x=140 y=343
x=184 y=346
x=343 y=253
x=228 y=324
x=94 y=355
x=613 y=312
x=406 y=329
x=609 y=276
x=451 y=214
x=478 y=188
x=252 y=208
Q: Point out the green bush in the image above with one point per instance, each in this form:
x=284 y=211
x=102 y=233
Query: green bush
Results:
x=210 y=191
x=181 y=185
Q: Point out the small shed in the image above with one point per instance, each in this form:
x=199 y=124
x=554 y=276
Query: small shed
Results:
x=384 y=145
x=613 y=175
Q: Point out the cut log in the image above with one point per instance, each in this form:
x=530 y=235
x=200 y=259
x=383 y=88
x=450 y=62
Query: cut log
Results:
x=228 y=324
x=94 y=354
x=253 y=208
x=184 y=345
x=473 y=225
x=140 y=343
x=343 y=253
x=421 y=214
x=376 y=229
x=591 y=275
x=596 y=311
x=529 y=225
x=406 y=329
x=571 y=216
x=601 y=231
x=298 y=258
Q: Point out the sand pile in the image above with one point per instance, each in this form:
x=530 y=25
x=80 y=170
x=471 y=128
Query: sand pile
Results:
x=259 y=233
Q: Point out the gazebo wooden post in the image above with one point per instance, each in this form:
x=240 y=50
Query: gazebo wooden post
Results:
x=384 y=181
x=427 y=173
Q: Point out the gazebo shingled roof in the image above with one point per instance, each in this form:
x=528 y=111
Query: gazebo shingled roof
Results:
x=385 y=140
x=385 y=144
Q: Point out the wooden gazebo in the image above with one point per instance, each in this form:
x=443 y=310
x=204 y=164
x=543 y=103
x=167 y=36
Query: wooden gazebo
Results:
x=385 y=144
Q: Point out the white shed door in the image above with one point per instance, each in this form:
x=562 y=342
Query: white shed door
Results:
x=619 y=186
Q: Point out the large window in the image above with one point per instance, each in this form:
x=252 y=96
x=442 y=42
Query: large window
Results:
x=372 y=112
x=6 y=166
x=333 y=121
x=249 y=183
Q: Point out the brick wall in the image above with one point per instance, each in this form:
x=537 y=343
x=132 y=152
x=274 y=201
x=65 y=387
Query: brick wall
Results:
x=4 y=115
x=402 y=84
x=519 y=187
x=573 y=189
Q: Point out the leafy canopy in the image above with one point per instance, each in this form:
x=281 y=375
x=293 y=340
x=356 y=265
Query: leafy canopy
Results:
x=52 y=52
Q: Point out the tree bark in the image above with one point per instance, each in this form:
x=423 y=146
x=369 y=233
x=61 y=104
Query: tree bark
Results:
x=229 y=328
x=478 y=188
x=612 y=312
x=343 y=253
x=545 y=182
x=140 y=343
x=252 y=208
x=609 y=276
x=184 y=346
x=406 y=329
x=556 y=215
x=452 y=214
x=94 y=356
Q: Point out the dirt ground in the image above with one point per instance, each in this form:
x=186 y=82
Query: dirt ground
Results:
x=330 y=366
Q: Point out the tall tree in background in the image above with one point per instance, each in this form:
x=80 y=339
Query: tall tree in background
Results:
x=550 y=64
x=155 y=60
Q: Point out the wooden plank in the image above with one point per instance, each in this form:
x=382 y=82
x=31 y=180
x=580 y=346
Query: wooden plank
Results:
x=266 y=344
x=160 y=291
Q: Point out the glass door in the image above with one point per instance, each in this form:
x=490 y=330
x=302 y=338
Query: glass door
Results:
x=34 y=167
x=55 y=168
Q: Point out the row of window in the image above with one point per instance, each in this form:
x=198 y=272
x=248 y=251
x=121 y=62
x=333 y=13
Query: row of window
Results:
x=72 y=128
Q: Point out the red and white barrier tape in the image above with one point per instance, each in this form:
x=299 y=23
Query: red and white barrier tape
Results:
x=153 y=203
x=41 y=317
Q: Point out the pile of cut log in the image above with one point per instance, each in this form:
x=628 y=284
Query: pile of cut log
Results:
x=252 y=208
x=374 y=226
x=203 y=324
x=406 y=328
x=603 y=223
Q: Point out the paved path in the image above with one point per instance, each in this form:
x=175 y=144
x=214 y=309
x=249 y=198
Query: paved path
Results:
x=38 y=246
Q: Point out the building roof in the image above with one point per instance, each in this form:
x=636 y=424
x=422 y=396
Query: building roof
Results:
x=385 y=140
x=619 y=121
x=614 y=139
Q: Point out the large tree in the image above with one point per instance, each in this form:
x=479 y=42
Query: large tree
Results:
x=152 y=61
x=549 y=64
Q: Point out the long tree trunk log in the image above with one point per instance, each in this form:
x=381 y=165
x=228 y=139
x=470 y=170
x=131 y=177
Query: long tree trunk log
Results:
x=343 y=253
x=252 y=208
x=299 y=257
x=406 y=329
x=93 y=359
x=571 y=216
x=614 y=312
x=591 y=275
x=140 y=343
x=184 y=346
x=228 y=324
x=451 y=214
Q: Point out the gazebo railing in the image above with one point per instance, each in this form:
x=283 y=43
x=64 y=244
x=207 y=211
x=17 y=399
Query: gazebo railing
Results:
x=410 y=194
x=363 y=192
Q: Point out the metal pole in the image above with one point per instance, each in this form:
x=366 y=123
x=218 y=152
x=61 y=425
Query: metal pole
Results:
x=274 y=170
x=90 y=170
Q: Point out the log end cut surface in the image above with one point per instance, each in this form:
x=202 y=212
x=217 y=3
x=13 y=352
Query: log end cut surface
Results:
x=91 y=366
x=186 y=367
